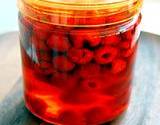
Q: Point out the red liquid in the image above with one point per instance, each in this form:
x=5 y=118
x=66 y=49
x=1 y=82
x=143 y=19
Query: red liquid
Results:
x=76 y=76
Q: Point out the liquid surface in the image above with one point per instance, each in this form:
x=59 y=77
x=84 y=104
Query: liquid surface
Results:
x=76 y=73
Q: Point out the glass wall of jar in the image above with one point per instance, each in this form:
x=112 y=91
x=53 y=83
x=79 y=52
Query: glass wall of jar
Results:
x=78 y=58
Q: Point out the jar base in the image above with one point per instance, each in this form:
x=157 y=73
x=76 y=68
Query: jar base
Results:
x=120 y=113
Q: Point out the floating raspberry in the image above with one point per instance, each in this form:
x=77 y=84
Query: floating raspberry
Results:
x=96 y=116
x=76 y=96
x=129 y=34
x=37 y=105
x=89 y=84
x=89 y=70
x=39 y=44
x=44 y=68
x=122 y=98
x=81 y=37
x=41 y=30
x=62 y=63
x=118 y=86
x=70 y=117
x=125 y=44
x=111 y=40
x=63 y=80
x=118 y=66
x=80 y=56
x=58 y=42
x=44 y=55
x=105 y=55
x=129 y=52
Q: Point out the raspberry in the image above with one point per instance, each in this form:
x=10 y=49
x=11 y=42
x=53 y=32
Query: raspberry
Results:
x=36 y=104
x=129 y=52
x=123 y=97
x=44 y=56
x=105 y=55
x=80 y=37
x=111 y=40
x=118 y=66
x=125 y=44
x=63 y=81
x=70 y=117
x=41 y=30
x=44 y=68
x=62 y=63
x=89 y=70
x=118 y=86
x=76 y=96
x=58 y=42
x=80 y=56
x=90 y=84
x=39 y=44
x=128 y=35
x=96 y=115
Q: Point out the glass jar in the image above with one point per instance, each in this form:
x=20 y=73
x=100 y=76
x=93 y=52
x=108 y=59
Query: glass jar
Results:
x=78 y=58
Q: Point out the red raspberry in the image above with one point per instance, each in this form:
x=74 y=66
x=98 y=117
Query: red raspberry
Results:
x=123 y=97
x=118 y=66
x=64 y=81
x=98 y=115
x=42 y=30
x=37 y=105
x=39 y=44
x=91 y=84
x=89 y=70
x=125 y=44
x=58 y=42
x=129 y=52
x=105 y=55
x=44 y=68
x=119 y=85
x=62 y=63
x=76 y=96
x=81 y=36
x=111 y=40
x=44 y=56
x=70 y=117
x=128 y=35
x=80 y=56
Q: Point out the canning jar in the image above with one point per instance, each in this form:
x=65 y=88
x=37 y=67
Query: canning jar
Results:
x=78 y=58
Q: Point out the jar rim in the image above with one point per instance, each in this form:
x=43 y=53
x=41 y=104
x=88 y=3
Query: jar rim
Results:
x=79 y=6
x=45 y=8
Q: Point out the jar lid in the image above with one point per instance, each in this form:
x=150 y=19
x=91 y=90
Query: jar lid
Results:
x=80 y=12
